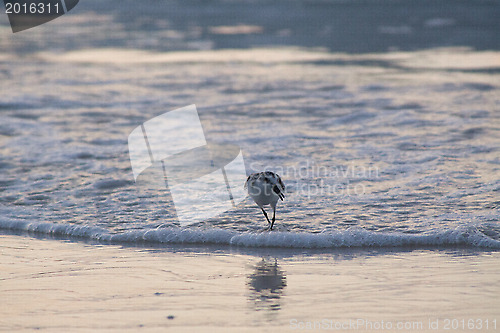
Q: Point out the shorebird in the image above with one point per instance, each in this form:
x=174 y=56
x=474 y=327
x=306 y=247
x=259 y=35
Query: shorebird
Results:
x=265 y=188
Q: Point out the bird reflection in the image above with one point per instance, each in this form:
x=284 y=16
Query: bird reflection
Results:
x=266 y=285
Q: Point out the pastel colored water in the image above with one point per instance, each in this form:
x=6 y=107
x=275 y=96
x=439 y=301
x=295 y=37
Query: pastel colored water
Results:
x=376 y=148
x=382 y=118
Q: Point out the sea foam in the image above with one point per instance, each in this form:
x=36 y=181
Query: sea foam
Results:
x=355 y=237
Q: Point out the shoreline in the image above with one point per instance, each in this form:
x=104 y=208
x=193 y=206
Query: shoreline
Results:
x=356 y=238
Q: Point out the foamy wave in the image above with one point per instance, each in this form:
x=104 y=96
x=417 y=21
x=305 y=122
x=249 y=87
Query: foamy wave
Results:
x=353 y=237
x=358 y=237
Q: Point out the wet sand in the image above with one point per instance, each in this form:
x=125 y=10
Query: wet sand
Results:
x=57 y=286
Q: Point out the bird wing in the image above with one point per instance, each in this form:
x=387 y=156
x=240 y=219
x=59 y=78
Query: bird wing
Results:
x=279 y=188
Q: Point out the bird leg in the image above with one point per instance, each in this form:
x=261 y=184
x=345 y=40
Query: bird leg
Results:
x=265 y=214
x=274 y=217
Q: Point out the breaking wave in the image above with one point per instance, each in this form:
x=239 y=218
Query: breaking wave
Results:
x=356 y=237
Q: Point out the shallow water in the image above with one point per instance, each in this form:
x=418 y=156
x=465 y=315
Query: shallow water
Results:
x=376 y=149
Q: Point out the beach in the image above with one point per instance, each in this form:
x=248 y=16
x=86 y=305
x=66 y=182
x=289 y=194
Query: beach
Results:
x=59 y=286
x=382 y=119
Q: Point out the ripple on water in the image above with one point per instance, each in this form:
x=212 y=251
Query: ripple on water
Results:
x=111 y=184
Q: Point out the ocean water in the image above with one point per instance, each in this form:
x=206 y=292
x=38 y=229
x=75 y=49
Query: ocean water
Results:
x=380 y=144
